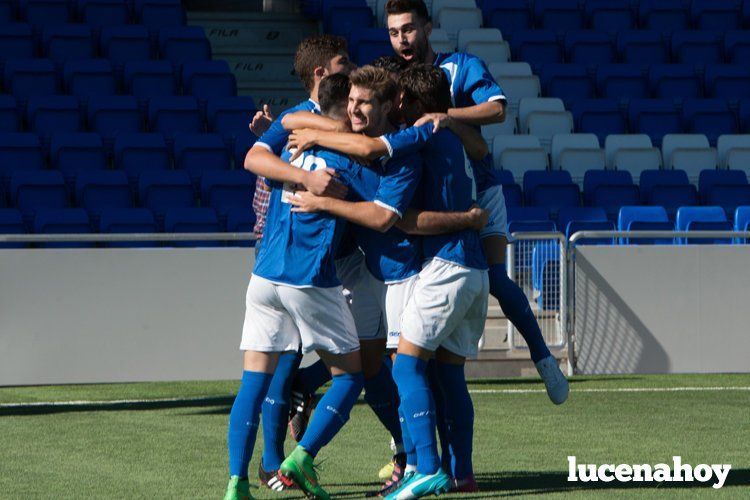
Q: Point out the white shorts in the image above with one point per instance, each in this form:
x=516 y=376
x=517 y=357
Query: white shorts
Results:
x=377 y=307
x=348 y=270
x=281 y=317
x=493 y=200
x=448 y=308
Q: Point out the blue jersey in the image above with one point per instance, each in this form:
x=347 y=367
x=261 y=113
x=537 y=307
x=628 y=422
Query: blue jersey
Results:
x=447 y=186
x=472 y=84
x=299 y=248
x=276 y=136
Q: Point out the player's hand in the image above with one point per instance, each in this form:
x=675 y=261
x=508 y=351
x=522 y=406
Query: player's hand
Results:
x=438 y=120
x=306 y=202
x=261 y=121
x=479 y=217
x=322 y=182
x=301 y=140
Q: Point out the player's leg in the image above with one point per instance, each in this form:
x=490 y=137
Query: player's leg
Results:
x=441 y=415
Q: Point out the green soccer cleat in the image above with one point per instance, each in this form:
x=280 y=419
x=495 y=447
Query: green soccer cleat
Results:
x=298 y=467
x=238 y=489
x=422 y=485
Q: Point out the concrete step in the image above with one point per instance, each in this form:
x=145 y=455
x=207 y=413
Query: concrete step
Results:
x=495 y=363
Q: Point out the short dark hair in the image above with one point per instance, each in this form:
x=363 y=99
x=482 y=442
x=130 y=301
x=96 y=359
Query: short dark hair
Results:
x=406 y=6
x=333 y=91
x=315 y=52
x=392 y=64
x=427 y=84
x=376 y=79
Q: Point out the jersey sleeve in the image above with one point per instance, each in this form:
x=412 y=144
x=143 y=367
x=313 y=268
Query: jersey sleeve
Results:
x=408 y=141
x=479 y=84
x=398 y=185
x=275 y=138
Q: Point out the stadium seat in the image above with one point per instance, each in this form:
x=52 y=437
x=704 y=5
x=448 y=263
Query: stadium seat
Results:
x=656 y=14
x=173 y=115
x=614 y=197
x=161 y=190
x=569 y=82
x=155 y=14
x=112 y=115
x=469 y=35
x=199 y=153
x=609 y=16
x=519 y=87
x=715 y=14
x=734 y=151
x=518 y=153
x=674 y=81
x=242 y=145
x=25 y=78
x=62 y=221
x=546 y=105
x=48 y=114
x=490 y=52
x=688 y=152
x=148 y=79
x=711 y=178
x=99 y=190
x=649 y=179
x=536 y=47
x=631 y=152
x=368 y=44
x=644 y=218
x=37 y=190
x=86 y=78
x=508 y=127
x=560 y=15
x=568 y=215
x=576 y=226
x=621 y=81
x=229 y=116
x=192 y=220
x=18 y=153
x=240 y=220
x=655 y=118
x=534 y=178
x=598 y=116
x=11 y=222
x=743 y=114
x=436 y=6
x=72 y=154
x=509 y=70
x=577 y=153
x=595 y=179
x=137 y=153
x=545 y=274
x=728 y=81
x=512 y=192
x=67 y=42
x=100 y=13
x=42 y=13
x=696 y=47
x=16 y=42
x=528 y=214
x=742 y=218
x=729 y=197
x=184 y=43
x=589 y=47
x=454 y=20
x=508 y=16
x=227 y=190
x=710 y=117
x=127 y=220
x=737 y=47
x=121 y=44
x=7 y=11
x=702 y=219
x=207 y=80
x=546 y=125
x=642 y=47
x=348 y=18
x=556 y=196
x=745 y=13
x=439 y=40
x=9 y=119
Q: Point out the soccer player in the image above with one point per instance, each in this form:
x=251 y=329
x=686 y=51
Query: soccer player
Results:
x=478 y=100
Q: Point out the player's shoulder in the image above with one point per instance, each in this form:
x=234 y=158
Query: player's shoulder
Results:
x=306 y=105
x=456 y=58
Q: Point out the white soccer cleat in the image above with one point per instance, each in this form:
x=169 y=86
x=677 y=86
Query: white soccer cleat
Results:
x=554 y=380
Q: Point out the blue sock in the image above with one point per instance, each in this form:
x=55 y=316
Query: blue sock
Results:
x=332 y=411
x=440 y=415
x=418 y=407
x=381 y=394
x=275 y=410
x=243 y=420
x=460 y=416
x=409 y=449
x=516 y=307
x=311 y=378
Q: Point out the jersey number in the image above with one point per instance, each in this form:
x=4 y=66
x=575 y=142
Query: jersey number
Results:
x=306 y=162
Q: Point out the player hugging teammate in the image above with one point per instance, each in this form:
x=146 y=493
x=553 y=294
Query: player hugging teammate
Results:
x=375 y=255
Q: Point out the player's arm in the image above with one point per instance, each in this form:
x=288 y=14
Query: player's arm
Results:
x=364 y=213
x=426 y=223
x=357 y=145
x=480 y=114
x=306 y=119
x=473 y=142
x=487 y=95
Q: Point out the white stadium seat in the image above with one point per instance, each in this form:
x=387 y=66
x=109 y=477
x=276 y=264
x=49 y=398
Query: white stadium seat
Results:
x=467 y=36
x=443 y=46
x=688 y=152
x=734 y=151
x=489 y=52
x=518 y=153
x=453 y=20
x=577 y=153
x=438 y=5
x=529 y=105
x=509 y=69
x=545 y=124
x=519 y=87
x=439 y=35
x=507 y=127
x=631 y=152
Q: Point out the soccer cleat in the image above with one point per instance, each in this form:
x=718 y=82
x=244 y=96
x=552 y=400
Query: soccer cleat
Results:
x=422 y=485
x=398 y=465
x=238 y=489
x=468 y=485
x=387 y=470
x=298 y=467
x=554 y=380
x=274 y=480
x=300 y=415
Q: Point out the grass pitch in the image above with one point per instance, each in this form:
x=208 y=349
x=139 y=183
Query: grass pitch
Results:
x=97 y=447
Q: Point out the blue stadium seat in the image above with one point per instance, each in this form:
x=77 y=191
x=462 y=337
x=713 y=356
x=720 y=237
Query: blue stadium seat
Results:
x=696 y=47
x=226 y=190
x=532 y=226
x=242 y=145
x=104 y=189
x=37 y=190
x=199 y=153
x=62 y=221
x=208 y=80
x=594 y=179
x=673 y=197
x=161 y=190
x=19 y=153
x=598 y=116
x=536 y=47
x=710 y=117
x=112 y=115
x=737 y=47
x=148 y=79
x=654 y=117
x=48 y=114
x=711 y=178
x=16 y=42
x=86 y=78
x=368 y=44
x=642 y=47
x=658 y=14
x=614 y=197
x=11 y=222
x=715 y=14
x=9 y=119
x=241 y=220
x=42 y=13
x=589 y=47
x=579 y=214
x=621 y=81
x=545 y=274
x=556 y=196
x=674 y=81
x=743 y=114
x=512 y=194
x=173 y=115
x=192 y=220
x=652 y=178
x=644 y=218
x=559 y=15
x=67 y=42
x=569 y=82
x=729 y=197
x=525 y=214
x=507 y=15
x=25 y=78
x=742 y=218
x=72 y=154
x=128 y=220
x=155 y=14
x=230 y=116
x=184 y=43
x=7 y=11
x=346 y=19
x=702 y=219
x=606 y=15
x=533 y=178
x=121 y=44
x=730 y=82
x=100 y=13
x=137 y=153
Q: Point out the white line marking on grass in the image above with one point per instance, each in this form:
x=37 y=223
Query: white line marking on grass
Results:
x=125 y=402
